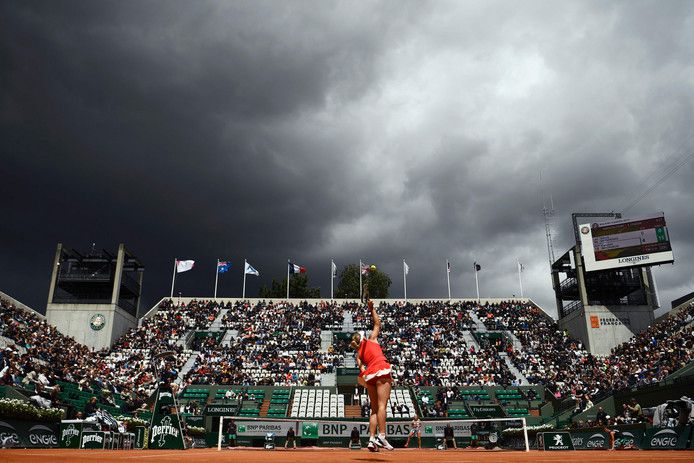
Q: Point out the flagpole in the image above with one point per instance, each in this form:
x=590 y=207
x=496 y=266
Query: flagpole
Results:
x=243 y=292
x=332 y=277
x=404 y=278
x=360 y=284
x=520 y=278
x=477 y=284
x=216 y=278
x=448 y=278
x=288 y=279
x=173 y=278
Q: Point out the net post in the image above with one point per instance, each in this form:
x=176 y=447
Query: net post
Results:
x=219 y=436
x=525 y=435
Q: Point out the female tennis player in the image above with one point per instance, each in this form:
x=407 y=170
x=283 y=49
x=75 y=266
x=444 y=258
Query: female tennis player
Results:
x=375 y=377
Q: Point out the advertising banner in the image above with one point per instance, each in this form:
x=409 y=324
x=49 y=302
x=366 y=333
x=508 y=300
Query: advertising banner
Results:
x=29 y=434
x=487 y=411
x=70 y=435
x=140 y=437
x=555 y=440
x=598 y=440
x=666 y=438
x=95 y=440
x=165 y=428
x=260 y=428
x=222 y=410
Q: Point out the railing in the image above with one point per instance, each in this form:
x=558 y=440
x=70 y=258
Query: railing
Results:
x=574 y=306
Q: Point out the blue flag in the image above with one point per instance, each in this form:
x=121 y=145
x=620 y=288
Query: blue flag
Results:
x=223 y=267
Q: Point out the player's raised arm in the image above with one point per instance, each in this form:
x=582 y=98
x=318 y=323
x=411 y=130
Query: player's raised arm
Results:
x=376 y=319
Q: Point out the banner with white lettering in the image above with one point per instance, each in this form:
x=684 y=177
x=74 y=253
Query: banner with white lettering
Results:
x=165 y=428
x=261 y=428
x=28 y=434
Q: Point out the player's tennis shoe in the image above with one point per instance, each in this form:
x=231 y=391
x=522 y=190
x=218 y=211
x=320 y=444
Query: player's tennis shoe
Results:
x=382 y=442
x=372 y=445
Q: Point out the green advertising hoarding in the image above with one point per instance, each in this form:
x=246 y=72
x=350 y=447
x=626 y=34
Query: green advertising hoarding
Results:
x=165 y=428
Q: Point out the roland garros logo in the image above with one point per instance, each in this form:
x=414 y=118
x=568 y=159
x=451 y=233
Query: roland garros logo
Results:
x=163 y=430
x=97 y=322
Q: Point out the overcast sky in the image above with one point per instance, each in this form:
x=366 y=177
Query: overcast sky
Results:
x=270 y=130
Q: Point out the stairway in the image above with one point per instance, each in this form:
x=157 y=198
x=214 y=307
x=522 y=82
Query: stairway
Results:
x=470 y=340
x=478 y=323
x=326 y=340
x=352 y=411
x=228 y=336
x=516 y=343
x=512 y=368
x=265 y=407
x=187 y=367
x=217 y=323
x=328 y=379
x=347 y=321
x=183 y=340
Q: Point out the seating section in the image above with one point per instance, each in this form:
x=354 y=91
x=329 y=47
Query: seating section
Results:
x=433 y=348
x=400 y=404
x=279 y=402
x=425 y=344
x=278 y=344
x=317 y=403
x=458 y=409
x=192 y=393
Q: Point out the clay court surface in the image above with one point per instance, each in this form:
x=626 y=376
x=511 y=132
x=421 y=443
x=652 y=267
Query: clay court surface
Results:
x=336 y=456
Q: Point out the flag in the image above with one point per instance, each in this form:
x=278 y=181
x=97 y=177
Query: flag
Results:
x=365 y=269
x=478 y=267
x=520 y=267
x=448 y=267
x=406 y=267
x=334 y=269
x=293 y=268
x=184 y=265
x=223 y=267
x=249 y=270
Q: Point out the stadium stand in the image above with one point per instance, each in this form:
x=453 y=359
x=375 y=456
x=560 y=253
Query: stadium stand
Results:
x=443 y=365
x=277 y=344
x=426 y=344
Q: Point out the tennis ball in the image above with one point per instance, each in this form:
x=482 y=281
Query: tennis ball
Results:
x=373 y=267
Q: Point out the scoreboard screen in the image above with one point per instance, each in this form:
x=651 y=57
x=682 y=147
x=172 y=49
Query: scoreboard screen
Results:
x=626 y=243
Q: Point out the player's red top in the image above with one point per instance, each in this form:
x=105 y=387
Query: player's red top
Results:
x=371 y=354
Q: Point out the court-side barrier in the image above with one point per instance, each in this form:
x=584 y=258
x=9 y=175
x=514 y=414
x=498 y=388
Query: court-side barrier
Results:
x=28 y=434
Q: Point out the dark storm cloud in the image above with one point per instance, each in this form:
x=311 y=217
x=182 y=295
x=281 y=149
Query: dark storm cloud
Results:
x=315 y=130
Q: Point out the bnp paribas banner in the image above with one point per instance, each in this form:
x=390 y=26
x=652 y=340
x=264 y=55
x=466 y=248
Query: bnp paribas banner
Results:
x=165 y=429
x=261 y=428
x=313 y=430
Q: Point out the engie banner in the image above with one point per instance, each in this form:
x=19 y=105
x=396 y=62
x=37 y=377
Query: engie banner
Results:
x=29 y=434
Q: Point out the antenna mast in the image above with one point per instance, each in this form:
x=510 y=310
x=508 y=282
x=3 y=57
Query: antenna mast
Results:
x=548 y=213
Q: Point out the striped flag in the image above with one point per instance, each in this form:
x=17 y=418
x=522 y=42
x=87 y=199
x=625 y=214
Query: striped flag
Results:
x=249 y=270
x=293 y=268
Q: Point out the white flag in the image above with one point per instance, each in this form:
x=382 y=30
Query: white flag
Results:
x=250 y=270
x=184 y=265
x=334 y=269
x=406 y=267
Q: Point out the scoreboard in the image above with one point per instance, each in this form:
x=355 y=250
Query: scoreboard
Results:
x=626 y=243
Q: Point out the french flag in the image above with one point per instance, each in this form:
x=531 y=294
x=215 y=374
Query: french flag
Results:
x=293 y=268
